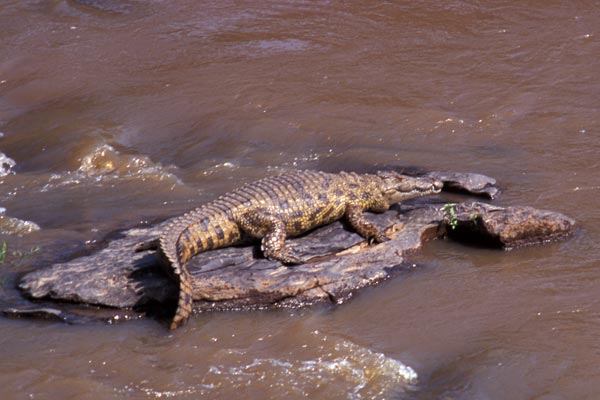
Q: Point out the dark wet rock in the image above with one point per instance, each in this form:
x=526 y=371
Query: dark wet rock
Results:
x=235 y=277
x=37 y=312
x=504 y=227
x=239 y=278
x=339 y=260
x=67 y=313
x=470 y=183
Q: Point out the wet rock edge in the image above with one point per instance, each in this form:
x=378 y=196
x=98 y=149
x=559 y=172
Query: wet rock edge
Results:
x=237 y=278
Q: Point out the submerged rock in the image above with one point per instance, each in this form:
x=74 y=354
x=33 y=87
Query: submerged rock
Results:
x=339 y=260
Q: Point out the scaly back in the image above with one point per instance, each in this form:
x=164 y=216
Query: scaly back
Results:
x=301 y=199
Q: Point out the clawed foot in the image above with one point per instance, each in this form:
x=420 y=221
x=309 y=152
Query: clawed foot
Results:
x=295 y=261
x=286 y=258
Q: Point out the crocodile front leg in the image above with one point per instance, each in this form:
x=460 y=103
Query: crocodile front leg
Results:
x=262 y=224
x=354 y=215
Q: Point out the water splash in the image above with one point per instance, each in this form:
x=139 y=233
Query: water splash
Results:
x=339 y=369
x=15 y=226
x=6 y=165
x=357 y=372
x=228 y=165
x=105 y=163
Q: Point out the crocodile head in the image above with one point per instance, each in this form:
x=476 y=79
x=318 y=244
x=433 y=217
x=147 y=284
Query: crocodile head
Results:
x=397 y=187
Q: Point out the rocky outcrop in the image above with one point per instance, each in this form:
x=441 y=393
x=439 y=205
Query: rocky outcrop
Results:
x=340 y=262
x=507 y=228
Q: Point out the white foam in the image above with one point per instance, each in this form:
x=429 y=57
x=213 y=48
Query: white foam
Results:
x=6 y=165
x=334 y=367
x=106 y=164
x=15 y=226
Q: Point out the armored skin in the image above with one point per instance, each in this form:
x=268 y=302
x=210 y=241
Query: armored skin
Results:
x=277 y=207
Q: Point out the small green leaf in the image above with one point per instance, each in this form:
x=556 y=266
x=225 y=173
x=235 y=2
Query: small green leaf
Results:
x=450 y=214
x=3 y=251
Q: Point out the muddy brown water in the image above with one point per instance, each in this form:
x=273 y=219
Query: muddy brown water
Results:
x=115 y=113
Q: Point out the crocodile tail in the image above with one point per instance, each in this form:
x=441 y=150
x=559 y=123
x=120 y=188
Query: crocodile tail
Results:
x=184 y=304
x=192 y=233
x=177 y=255
x=197 y=231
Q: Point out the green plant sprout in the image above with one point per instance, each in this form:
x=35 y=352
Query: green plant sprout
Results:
x=3 y=251
x=16 y=253
x=449 y=210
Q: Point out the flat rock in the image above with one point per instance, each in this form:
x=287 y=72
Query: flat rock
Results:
x=234 y=277
x=461 y=182
x=508 y=227
x=340 y=262
x=471 y=183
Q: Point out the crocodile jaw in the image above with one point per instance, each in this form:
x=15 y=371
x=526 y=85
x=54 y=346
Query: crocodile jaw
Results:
x=398 y=187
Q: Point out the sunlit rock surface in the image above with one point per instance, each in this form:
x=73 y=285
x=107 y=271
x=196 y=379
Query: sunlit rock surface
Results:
x=339 y=261
x=508 y=227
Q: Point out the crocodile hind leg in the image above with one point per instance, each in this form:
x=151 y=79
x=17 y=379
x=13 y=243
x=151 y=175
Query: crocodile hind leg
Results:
x=271 y=229
x=354 y=215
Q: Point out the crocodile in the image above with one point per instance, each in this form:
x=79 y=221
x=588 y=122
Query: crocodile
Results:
x=275 y=208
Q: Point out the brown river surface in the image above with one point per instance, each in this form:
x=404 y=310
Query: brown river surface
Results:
x=113 y=113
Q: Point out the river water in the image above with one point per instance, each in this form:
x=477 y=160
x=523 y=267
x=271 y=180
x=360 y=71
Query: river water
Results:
x=114 y=113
